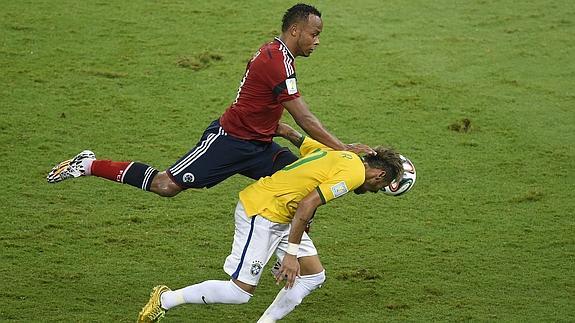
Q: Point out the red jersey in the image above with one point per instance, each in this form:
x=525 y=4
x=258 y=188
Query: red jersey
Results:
x=269 y=80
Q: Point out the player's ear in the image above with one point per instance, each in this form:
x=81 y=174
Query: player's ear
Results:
x=381 y=175
x=293 y=29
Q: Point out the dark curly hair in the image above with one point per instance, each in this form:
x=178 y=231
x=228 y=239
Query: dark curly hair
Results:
x=388 y=160
x=298 y=12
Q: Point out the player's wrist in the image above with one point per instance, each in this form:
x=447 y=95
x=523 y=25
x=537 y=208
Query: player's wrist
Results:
x=292 y=249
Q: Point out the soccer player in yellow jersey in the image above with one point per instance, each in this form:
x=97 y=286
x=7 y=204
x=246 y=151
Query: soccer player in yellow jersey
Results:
x=271 y=217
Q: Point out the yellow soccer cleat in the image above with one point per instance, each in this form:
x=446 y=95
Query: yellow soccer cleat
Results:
x=152 y=311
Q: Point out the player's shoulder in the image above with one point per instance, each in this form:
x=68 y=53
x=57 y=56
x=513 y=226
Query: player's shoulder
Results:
x=273 y=51
x=347 y=161
x=348 y=157
x=352 y=164
x=310 y=145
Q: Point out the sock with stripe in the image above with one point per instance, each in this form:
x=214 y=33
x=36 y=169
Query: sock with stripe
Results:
x=132 y=173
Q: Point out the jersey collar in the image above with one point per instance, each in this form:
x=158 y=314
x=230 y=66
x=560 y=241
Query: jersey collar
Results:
x=287 y=48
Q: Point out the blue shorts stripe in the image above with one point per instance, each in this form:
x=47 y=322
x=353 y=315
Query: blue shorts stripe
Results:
x=237 y=272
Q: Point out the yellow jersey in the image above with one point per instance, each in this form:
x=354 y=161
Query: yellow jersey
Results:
x=332 y=173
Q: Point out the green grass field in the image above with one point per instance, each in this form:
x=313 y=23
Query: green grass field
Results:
x=479 y=94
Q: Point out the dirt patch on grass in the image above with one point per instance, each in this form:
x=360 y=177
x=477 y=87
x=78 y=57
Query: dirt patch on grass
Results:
x=198 y=62
x=463 y=126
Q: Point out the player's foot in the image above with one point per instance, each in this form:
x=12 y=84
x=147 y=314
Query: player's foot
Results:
x=70 y=168
x=153 y=311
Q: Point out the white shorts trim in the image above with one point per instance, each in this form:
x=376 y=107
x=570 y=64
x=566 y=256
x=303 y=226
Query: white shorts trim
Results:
x=196 y=153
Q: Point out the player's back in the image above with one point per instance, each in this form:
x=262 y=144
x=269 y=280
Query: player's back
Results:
x=257 y=109
x=331 y=173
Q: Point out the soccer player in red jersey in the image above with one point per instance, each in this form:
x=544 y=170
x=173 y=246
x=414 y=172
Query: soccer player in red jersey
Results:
x=241 y=140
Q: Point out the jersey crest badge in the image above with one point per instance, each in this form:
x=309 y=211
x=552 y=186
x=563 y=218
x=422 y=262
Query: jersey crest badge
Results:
x=291 y=86
x=256 y=268
x=339 y=189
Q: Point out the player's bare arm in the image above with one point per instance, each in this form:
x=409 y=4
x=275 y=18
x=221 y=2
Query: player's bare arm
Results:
x=290 y=267
x=314 y=128
x=287 y=132
x=311 y=124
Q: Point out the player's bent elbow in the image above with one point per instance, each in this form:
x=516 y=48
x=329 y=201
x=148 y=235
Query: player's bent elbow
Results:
x=309 y=205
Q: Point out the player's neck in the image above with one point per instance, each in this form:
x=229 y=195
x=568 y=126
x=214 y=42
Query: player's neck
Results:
x=289 y=43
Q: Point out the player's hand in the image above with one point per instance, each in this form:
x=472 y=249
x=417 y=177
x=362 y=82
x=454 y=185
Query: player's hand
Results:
x=360 y=149
x=289 y=270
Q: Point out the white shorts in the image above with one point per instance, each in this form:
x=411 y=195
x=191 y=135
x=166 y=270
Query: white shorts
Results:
x=256 y=239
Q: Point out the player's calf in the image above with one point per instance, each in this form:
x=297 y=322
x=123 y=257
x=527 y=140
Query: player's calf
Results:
x=288 y=299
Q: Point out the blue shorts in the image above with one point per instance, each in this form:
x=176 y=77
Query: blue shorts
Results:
x=218 y=156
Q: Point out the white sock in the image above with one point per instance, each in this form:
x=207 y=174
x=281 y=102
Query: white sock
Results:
x=288 y=299
x=208 y=292
x=87 y=164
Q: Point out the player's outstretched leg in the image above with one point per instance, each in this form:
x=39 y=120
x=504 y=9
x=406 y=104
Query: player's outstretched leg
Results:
x=71 y=168
x=153 y=311
x=135 y=174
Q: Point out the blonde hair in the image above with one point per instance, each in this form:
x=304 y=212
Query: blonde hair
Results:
x=386 y=159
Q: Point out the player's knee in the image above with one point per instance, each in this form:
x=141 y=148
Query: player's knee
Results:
x=163 y=185
x=240 y=294
x=314 y=281
x=320 y=279
x=241 y=299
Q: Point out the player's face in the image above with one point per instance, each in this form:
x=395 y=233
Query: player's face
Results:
x=308 y=38
x=369 y=187
x=374 y=182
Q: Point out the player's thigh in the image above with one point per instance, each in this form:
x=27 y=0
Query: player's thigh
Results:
x=272 y=159
x=307 y=254
x=216 y=157
x=254 y=243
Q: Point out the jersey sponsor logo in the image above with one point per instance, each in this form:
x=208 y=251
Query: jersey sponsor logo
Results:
x=188 y=178
x=291 y=86
x=256 y=268
x=339 y=189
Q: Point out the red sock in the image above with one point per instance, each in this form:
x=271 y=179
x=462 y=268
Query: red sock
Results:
x=111 y=170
